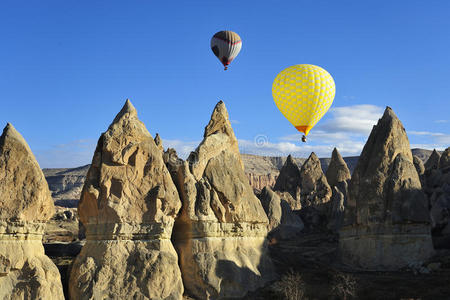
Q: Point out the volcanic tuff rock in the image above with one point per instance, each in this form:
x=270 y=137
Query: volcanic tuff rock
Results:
x=337 y=169
x=128 y=206
x=66 y=184
x=283 y=223
x=158 y=142
x=314 y=188
x=437 y=187
x=338 y=202
x=289 y=181
x=444 y=161
x=221 y=229
x=25 y=204
x=337 y=175
x=387 y=221
x=433 y=161
x=418 y=163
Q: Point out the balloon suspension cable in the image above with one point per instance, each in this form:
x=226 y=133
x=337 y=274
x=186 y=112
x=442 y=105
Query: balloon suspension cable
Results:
x=304 y=139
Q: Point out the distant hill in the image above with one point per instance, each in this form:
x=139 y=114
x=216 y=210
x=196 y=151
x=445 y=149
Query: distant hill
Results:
x=66 y=183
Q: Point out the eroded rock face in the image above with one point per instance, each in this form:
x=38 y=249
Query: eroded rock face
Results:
x=444 y=160
x=220 y=232
x=128 y=206
x=418 y=163
x=338 y=176
x=314 y=188
x=25 y=204
x=386 y=220
x=437 y=187
x=337 y=169
x=258 y=181
x=289 y=181
x=433 y=161
x=338 y=202
x=283 y=223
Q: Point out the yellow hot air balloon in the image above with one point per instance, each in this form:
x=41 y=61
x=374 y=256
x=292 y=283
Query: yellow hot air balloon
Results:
x=303 y=93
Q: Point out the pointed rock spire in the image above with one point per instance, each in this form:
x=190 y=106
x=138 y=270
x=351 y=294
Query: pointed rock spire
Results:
x=444 y=161
x=219 y=136
x=24 y=193
x=386 y=218
x=25 y=204
x=220 y=213
x=337 y=170
x=127 y=110
x=289 y=181
x=387 y=139
x=314 y=186
x=128 y=206
x=433 y=161
x=219 y=121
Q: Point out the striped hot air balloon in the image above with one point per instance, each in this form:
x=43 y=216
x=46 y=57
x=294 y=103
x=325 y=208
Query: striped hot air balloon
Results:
x=226 y=46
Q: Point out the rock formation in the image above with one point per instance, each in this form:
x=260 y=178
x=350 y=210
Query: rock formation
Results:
x=66 y=184
x=433 y=161
x=437 y=187
x=158 y=142
x=220 y=232
x=289 y=181
x=337 y=175
x=314 y=188
x=337 y=169
x=283 y=223
x=128 y=206
x=418 y=163
x=259 y=181
x=386 y=219
x=25 y=204
x=444 y=161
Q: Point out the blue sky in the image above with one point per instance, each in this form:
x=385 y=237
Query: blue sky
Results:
x=66 y=68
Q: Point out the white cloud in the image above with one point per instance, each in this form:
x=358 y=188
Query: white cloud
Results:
x=72 y=154
x=439 y=139
x=183 y=148
x=234 y=121
x=355 y=119
x=345 y=147
x=441 y=121
x=347 y=129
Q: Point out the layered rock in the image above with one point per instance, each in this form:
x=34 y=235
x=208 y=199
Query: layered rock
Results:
x=25 y=204
x=283 y=223
x=387 y=225
x=259 y=181
x=128 y=206
x=289 y=181
x=66 y=184
x=220 y=232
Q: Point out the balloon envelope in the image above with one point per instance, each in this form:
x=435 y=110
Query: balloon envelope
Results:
x=226 y=46
x=303 y=93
